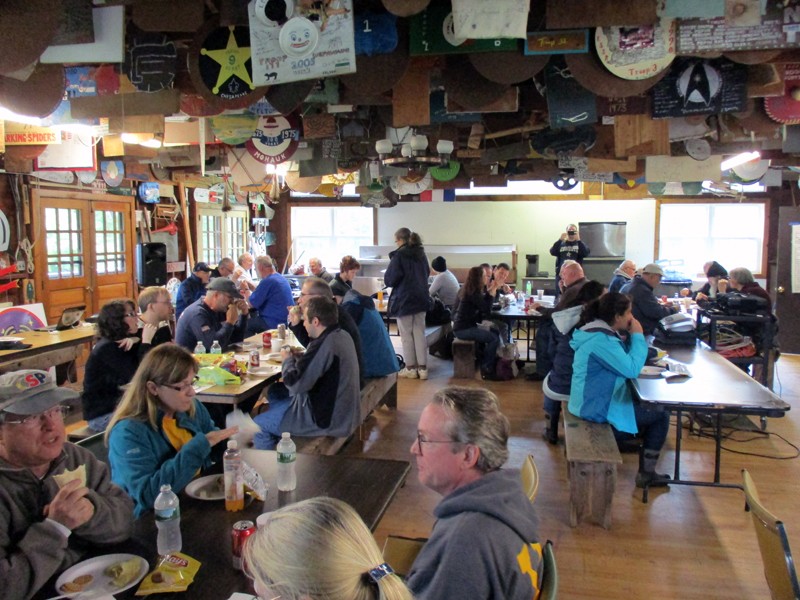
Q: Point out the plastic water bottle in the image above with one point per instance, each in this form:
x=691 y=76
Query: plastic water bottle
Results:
x=234 y=477
x=168 y=521
x=199 y=348
x=287 y=455
x=216 y=348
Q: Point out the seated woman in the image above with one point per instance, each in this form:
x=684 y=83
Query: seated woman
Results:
x=159 y=433
x=715 y=273
x=557 y=383
x=113 y=360
x=343 y=282
x=474 y=307
x=603 y=362
x=319 y=549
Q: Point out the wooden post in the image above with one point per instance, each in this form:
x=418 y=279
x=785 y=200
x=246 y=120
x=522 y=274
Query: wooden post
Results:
x=186 y=231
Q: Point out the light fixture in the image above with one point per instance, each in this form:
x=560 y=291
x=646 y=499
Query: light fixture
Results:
x=413 y=154
x=740 y=159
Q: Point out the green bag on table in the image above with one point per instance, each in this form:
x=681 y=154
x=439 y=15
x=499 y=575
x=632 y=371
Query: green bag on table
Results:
x=216 y=376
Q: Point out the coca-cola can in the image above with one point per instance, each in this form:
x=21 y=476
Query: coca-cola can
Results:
x=241 y=531
x=255 y=358
x=266 y=338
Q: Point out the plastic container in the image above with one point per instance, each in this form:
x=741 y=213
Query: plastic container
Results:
x=168 y=521
x=216 y=348
x=234 y=478
x=287 y=455
x=199 y=348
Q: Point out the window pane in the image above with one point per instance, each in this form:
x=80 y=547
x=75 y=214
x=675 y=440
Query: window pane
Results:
x=316 y=221
x=98 y=221
x=50 y=219
x=75 y=222
x=350 y=227
x=63 y=218
x=76 y=243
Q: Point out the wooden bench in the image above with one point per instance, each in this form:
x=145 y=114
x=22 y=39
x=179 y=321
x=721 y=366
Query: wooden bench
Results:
x=434 y=333
x=592 y=459
x=463 y=359
x=377 y=392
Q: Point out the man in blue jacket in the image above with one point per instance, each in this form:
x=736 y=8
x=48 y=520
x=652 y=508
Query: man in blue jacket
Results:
x=272 y=298
x=646 y=307
x=221 y=316
x=192 y=288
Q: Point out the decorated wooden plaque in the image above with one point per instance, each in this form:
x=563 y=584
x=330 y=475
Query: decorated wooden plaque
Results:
x=636 y=52
x=432 y=32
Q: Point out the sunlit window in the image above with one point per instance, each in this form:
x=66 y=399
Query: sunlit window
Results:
x=329 y=233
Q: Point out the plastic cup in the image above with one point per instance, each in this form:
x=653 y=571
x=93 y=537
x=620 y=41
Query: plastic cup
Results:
x=276 y=344
x=539 y=294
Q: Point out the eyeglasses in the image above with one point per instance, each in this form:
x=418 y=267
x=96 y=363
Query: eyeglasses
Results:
x=421 y=441
x=57 y=413
x=182 y=387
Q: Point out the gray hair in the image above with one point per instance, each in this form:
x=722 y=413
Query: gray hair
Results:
x=315 y=260
x=318 y=287
x=741 y=275
x=244 y=257
x=265 y=261
x=227 y=263
x=474 y=417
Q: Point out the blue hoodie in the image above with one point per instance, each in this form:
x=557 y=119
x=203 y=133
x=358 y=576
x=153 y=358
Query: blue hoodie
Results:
x=602 y=365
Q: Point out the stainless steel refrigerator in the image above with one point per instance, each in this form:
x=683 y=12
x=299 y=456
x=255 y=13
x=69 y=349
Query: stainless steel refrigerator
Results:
x=606 y=243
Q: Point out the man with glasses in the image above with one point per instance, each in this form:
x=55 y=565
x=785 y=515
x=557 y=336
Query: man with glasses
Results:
x=44 y=529
x=220 y=316
x=155 y=308
x=568 y=247
x=484 y=543
x=270 y=299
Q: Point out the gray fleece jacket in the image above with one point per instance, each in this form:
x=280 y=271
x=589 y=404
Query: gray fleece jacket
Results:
x=32 y=549
x=484 y=545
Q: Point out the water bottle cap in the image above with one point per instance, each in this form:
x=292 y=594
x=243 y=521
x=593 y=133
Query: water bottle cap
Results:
x=286 y=434
x=233 y=444
x=166 y=488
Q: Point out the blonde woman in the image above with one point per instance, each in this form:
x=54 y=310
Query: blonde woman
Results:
x=160 y=433
x=319 y=549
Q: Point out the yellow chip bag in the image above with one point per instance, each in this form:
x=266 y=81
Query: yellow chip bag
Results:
x=174 y=574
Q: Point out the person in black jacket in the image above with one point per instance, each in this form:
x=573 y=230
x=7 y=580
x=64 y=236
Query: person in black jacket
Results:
x=474 y=307
x=646 y=308
x=343 y=282
x=568 y=247
x=407 y=275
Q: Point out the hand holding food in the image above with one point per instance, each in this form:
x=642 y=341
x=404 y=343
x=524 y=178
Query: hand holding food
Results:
x=70 y=507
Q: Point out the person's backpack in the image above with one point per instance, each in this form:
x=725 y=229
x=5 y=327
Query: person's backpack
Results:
x=439 y=314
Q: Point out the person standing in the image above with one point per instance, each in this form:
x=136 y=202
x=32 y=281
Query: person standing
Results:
x=568 y=247
x=407 y=275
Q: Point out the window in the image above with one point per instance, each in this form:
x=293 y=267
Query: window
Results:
x=732 y=234
x=329 y=233
x=64 y=235
x=221 y=234
x=109 y=227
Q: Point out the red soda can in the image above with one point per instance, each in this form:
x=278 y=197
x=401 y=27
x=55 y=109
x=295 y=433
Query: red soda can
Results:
x=241 y=531
x=255 y=358
x=664 y=299
x=266 y=339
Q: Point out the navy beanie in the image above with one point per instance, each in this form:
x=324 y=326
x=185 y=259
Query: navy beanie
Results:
x=439 y=264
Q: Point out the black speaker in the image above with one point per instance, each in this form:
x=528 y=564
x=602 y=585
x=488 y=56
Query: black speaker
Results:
x=151 y=263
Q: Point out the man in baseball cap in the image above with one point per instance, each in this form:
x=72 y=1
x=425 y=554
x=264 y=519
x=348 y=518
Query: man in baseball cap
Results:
x=56 y=499
x=646 y=307
x=220 y=316
x=192 y=288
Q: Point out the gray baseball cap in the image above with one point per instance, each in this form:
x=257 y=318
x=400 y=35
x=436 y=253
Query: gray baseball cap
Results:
x=30 y=392
x=224 y=285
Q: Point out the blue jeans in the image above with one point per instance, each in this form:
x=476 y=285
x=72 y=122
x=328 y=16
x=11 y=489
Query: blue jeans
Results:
x=99 y=424
x=490 y=338
x=653 y=426
x=552 y=407
x=270 y=421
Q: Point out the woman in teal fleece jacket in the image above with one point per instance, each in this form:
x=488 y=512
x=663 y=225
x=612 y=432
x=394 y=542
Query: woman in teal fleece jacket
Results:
x=159 y=433
x=603 y=363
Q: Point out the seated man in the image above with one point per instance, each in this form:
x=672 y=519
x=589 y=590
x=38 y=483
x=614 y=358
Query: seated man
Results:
x=444 y=285
x=241 y=274
x=646 y=307
x=47 y=525
x=270 y=300
x=312 y=288
x=317 y=270
x=319 y=394
x=622 y=275
x=220 y=316
x=192 y=288
x=379 y=357
x=156 y=308
x=224 y=268
x=484 y=543
x=500 y=274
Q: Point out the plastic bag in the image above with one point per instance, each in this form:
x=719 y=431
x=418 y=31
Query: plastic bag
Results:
x=216 y=376
x=173 y=574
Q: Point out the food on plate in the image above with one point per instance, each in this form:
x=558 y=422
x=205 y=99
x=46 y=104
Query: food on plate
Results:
x=124 y=572
x=216 y=488
x=83 y=579
x=71 y=587
x=67 y=476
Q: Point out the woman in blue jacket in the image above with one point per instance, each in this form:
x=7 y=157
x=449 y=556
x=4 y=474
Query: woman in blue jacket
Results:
x=407 y=275
x=160 y=434
x=603 y=362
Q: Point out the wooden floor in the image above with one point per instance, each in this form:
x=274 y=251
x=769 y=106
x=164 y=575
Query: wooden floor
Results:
x=688 y=542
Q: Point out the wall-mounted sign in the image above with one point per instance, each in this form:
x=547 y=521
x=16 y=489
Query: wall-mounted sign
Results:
x=151 y=62
x=636 y=52
x=432 y=32
x=275 y=139
x=569 y=41
x=18 y=134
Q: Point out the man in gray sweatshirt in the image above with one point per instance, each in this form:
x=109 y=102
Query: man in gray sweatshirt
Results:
x=484 y=545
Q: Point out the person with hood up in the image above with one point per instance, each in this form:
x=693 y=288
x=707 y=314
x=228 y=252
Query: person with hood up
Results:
x=484 y=544
x=557 y=383
x=407 y=275
x=622 y=275
x=603 y=362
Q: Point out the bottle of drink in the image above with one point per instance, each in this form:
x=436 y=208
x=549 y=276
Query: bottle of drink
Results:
x=168 y=521
x=216 y=348
x=234 y=477
x=199 y=348
x=287 y=455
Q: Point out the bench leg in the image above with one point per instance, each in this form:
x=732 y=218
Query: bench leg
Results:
x=390 y=399
x=591 y=492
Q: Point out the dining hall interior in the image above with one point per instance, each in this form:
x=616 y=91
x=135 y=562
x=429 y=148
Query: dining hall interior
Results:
x=662 y=132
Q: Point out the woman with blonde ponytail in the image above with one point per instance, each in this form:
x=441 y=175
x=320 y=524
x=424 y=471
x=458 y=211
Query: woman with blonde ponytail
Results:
x=319 y=549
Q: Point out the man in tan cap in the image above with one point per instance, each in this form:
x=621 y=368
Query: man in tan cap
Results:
x=646 y=307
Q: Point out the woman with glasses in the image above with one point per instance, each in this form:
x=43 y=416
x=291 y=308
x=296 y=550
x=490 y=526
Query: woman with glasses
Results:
x=319 y=549
x=113 y=361
x=160 y=433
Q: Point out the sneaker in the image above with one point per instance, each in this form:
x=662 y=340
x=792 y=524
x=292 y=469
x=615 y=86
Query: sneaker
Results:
x=409 y=373
x=652 y=479
x=422 y=373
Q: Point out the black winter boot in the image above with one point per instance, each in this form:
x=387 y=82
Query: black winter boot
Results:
x=647 y=470
x=550 y=432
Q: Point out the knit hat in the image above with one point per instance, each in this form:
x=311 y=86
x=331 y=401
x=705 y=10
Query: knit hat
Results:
x=439 y=264
x=716 y=270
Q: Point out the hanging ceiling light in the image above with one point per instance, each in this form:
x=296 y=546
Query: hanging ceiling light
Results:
x=414 y=155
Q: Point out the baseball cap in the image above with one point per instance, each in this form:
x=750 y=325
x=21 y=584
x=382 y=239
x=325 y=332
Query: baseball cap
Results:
x=201 y=266
x=653 y=269
x=30 y=392
x=224 y=285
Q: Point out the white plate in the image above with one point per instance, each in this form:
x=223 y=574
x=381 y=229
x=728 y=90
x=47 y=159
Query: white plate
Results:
x=298 y=37
x=651 y=371
x=276 y=356
x=201 y=488
x=266 y=371
x=101 y=584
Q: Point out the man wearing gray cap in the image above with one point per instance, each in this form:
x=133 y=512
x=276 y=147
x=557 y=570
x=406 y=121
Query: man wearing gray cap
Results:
x=646 y=307
x=221 y=315
x=56 y=499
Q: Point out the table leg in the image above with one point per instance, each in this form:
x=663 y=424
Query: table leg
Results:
x=678 y=437
x=718 y=440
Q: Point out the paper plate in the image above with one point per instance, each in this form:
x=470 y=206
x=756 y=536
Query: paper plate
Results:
x=267 y=371
x=211 y=487
x=299 y=37
x=273 y=13
x=648 y=371
x=276 y=356
x=101 y=583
